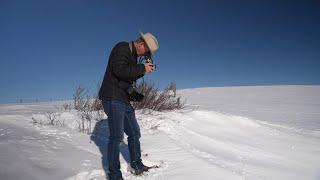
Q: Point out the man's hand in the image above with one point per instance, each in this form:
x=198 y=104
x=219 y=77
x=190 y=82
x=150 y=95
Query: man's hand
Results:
x=149 y=67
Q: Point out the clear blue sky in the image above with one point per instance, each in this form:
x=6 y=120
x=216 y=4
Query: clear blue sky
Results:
x=48 y=47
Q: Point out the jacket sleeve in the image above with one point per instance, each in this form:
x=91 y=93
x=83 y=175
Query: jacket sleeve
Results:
x=125 y=70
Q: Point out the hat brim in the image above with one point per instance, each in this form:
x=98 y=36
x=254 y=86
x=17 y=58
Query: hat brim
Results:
x=142 y=35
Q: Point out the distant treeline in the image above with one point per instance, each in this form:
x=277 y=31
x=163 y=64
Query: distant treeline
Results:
x=30 y=100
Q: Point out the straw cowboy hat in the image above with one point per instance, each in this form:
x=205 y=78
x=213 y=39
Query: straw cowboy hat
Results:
x=151 y=41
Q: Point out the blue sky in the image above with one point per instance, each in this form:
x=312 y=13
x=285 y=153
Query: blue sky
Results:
x=49 y=47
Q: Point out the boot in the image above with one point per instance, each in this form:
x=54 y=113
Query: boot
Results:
x=139 y=167
x=110 y=177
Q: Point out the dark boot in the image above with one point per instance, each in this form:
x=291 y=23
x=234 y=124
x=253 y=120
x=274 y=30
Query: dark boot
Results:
x=120 y=178
x=139 y=167
x=112 y=177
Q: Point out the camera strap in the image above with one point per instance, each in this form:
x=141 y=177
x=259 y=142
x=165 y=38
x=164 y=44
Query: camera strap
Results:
x=135 y=60
x=130 y=46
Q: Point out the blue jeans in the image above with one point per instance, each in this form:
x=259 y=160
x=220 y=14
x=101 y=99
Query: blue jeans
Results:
x=121 y=118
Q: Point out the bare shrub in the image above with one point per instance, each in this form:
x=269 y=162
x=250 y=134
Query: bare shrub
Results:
x=66 y=106
x=97 y=104
x=157 y=100
x=36 y=121
x=87 y=115
x=79 y=100
x=99 y=115
x=84 y=112
x=89 y=109
x=173 y=88
x=48 y=118
x=51 y=116
x=53 y=119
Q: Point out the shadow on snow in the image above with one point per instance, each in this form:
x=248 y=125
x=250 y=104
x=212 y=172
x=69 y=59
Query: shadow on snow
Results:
x=100 y=136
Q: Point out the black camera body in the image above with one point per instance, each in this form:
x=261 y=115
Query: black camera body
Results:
x=134 y=95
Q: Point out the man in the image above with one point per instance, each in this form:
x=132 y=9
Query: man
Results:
x=116 y=93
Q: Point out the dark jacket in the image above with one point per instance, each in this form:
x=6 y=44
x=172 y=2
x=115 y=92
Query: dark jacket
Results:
x=122 y=70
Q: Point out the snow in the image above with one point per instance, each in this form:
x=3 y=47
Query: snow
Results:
x=253 y=132
x=294 y=106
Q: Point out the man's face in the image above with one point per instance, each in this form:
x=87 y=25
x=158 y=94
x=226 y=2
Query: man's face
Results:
x=142 y=48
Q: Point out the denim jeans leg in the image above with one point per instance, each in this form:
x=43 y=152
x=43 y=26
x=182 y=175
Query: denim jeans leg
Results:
x=116 y=112
x=132 y=129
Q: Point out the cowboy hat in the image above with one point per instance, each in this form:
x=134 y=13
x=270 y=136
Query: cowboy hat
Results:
x=151 y=41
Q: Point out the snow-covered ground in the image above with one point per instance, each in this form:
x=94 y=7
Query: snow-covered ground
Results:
x=254 y=132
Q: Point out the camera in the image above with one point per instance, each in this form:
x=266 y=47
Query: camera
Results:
x=134 y=95
x=148 y=59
